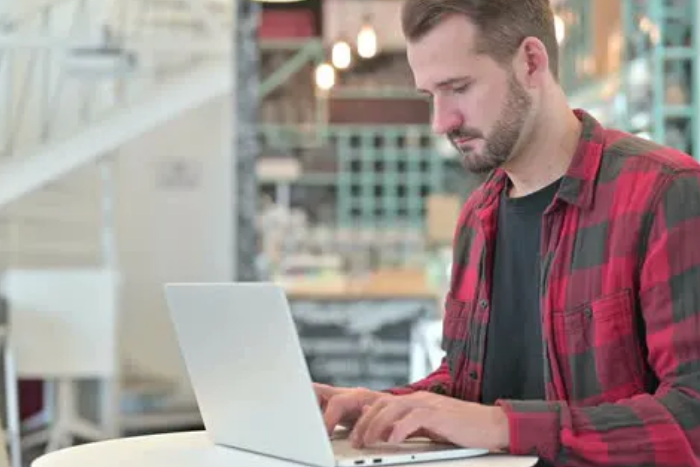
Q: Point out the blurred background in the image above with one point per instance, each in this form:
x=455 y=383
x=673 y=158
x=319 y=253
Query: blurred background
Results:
x=148 y=141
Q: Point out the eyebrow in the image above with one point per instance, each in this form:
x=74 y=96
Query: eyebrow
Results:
x=448 y=82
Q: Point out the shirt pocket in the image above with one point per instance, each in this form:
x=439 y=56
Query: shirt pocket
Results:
x=598 y=349
x=456 y=335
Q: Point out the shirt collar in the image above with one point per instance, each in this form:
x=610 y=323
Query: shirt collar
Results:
x=578 y=184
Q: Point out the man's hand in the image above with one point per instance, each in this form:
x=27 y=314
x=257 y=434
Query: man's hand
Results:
x=396 y=418
x=343 y=406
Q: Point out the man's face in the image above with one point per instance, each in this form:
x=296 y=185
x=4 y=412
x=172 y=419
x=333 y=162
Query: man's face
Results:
x=477 y=103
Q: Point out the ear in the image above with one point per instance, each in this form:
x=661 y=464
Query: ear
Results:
x=532 y=62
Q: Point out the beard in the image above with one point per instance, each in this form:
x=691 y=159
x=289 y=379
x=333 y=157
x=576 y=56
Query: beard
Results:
x=499 y=144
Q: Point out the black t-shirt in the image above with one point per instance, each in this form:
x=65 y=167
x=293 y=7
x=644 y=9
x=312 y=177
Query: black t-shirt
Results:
x=514 y=363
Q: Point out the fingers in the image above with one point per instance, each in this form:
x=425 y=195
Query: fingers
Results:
x=322 y=401
x=339 y=407
x=368 y=414
x=323 y=393
x=376 y=422
x=323 y=390
x=342 y=405
x=416 y=420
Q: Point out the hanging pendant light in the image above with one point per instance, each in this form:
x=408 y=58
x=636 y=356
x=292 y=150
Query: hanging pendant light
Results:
x=559 y=28
x=277 y=1
x=325 y=76
x=341 y=54
x=367 y=40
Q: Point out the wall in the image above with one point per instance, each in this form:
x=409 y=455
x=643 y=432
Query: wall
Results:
x=165 y=233
x=175 y=224
x=379 y=111
x=346 y=17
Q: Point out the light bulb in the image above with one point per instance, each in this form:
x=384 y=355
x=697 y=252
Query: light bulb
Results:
x=559 y=28
x=325 y=76
x=367 y=42
x=341 y=55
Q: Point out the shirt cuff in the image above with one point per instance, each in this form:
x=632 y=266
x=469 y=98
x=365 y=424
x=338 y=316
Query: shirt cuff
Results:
x=534 y=428
x=436 y=388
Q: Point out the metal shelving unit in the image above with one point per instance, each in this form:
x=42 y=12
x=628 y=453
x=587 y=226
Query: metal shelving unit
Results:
x=661 y=33
x=655 y=91
x=385 y=175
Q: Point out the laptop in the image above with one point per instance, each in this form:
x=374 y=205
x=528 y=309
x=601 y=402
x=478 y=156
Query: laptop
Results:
x=252 y=385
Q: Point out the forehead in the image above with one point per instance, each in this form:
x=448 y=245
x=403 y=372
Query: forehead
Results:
x=446 y=51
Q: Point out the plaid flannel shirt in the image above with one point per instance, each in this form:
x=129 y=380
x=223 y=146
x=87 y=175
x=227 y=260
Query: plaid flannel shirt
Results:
x=620 y=305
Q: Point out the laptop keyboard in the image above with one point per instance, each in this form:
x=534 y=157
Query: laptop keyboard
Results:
x=343 y=448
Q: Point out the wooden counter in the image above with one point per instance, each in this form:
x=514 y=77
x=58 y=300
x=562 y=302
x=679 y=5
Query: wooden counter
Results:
x=384 y=284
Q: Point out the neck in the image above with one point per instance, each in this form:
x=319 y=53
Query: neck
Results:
x=546 y=156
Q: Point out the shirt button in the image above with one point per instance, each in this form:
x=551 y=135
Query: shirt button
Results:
x=483 y=303
x=473 y=374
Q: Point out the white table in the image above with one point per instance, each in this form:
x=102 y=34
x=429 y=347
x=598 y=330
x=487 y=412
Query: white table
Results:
x=193 y=449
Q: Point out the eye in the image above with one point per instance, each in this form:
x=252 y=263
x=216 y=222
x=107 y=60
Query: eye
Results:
x=461 y=89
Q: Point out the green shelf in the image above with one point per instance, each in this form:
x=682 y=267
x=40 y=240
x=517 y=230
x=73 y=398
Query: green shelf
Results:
x=672 y=48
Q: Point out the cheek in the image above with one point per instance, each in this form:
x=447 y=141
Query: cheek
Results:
x=486 y=106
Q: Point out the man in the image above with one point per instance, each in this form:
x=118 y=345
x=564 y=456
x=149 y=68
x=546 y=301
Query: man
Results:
x=572 y=325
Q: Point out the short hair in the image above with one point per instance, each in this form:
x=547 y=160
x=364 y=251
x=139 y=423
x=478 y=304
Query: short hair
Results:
x=502 y=24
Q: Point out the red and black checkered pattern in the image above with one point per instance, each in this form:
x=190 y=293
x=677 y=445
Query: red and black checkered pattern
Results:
x=620 y=302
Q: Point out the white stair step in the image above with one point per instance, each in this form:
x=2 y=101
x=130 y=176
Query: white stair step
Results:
x=53 y=248
x=51 y=259
x=55 y=232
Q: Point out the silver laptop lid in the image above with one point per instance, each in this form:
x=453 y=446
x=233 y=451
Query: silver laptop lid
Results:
x=247 y=369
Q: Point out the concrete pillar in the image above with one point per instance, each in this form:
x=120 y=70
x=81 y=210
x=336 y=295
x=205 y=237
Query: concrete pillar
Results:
x=247 y=79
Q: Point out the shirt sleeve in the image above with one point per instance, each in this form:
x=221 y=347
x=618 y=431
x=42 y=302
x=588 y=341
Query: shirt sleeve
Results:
x=439 y=382
x=661 y=429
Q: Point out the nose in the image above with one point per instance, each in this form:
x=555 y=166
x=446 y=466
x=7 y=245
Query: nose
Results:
x=445 y=118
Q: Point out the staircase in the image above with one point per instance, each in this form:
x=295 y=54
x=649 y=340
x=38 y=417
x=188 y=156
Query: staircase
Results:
x=78 y=80
x=111 y=80
x=23 y=174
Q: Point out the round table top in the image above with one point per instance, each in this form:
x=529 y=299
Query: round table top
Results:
x=194 y=449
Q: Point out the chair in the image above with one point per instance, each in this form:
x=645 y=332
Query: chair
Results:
x=64 y=328
x=4 y=455
x=14 y=458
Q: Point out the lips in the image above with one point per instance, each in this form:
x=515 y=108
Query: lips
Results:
x=461 y=141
